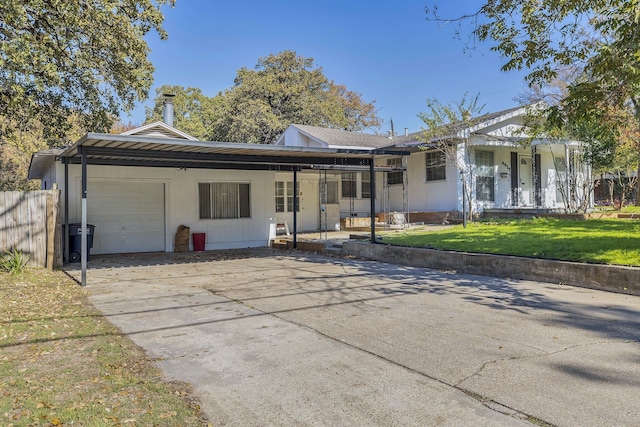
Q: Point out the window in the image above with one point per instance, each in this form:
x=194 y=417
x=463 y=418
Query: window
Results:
x=395 y=177
x=331 y=195
x=280 y=196
x=349 y=185
x=224 y=200
x=366 y=185
x=485 y=177
x=284 y=196
x=436 y=166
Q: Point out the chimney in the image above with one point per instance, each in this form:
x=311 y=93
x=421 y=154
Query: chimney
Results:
x=406 y=131
x=167 y=113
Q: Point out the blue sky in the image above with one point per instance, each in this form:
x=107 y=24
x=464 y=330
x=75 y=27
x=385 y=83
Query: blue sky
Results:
x=387 y=51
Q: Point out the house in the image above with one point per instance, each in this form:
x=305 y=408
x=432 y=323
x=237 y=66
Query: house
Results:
x=143 y=184
x=138 y=187
x=489 y=158
x=500 y=166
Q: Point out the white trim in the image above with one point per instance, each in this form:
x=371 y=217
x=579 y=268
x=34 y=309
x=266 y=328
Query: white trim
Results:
x=164 y=126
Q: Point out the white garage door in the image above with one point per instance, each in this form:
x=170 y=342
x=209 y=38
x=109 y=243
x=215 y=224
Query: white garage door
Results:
x=128 y=216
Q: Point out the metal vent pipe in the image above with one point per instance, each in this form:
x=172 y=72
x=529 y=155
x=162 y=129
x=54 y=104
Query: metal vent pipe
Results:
x=167 y=113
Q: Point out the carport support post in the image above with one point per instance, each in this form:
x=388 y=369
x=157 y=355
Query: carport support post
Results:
x=295 y=208
x=83 y=230
x=65 y=259
x=372 y=188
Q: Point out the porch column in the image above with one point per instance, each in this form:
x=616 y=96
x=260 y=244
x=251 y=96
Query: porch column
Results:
x=295 y=208
x=567 y=165
x=372 y=190
x=83 y=229
x=534 y=179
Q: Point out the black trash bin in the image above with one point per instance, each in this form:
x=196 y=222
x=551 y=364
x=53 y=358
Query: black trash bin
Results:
x=75 y=241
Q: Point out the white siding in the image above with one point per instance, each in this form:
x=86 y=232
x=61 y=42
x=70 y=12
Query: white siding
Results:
x=436 y=196
x=294 y=138
x=181 y=206
x=48 y=179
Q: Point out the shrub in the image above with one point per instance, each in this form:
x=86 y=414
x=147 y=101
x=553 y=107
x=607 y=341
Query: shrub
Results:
x=14 y=261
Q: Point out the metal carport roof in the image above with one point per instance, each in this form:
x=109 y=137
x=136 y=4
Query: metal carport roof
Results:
x=129 y=150
x=145 y=151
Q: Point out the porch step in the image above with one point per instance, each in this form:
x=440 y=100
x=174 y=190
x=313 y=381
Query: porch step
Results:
x=275 y=244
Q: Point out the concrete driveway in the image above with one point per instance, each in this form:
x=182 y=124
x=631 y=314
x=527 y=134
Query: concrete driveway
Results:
x=275 y=338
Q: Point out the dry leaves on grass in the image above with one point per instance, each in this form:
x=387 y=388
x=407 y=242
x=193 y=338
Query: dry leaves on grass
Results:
x=62 y=363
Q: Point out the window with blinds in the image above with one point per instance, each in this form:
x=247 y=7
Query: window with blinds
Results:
x=224 y=200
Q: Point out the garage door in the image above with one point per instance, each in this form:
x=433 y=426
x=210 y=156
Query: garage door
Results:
x=129 y=216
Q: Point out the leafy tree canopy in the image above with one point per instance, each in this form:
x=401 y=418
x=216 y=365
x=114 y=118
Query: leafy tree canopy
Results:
x=441 y=120
x=283 y=89
x=17 y=147
x=598 y=40
x=62 y=58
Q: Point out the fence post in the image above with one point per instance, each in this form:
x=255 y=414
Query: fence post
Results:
x=54 y=248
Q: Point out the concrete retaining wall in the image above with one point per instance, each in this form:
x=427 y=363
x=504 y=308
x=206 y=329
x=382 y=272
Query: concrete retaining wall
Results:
x=606 y=277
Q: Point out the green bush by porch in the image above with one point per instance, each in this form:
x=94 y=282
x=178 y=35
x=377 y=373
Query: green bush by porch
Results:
x=608 y=241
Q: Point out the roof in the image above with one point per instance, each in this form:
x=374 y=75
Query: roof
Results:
x=145 y=151
x=458 y=129
x=41 y=161
x=343 y=138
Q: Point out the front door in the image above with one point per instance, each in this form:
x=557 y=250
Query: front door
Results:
x=331 y=220
x=525 y=175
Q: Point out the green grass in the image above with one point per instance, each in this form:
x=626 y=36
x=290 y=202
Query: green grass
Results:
x=630 y=209
x=63 y=363
x=609 y=241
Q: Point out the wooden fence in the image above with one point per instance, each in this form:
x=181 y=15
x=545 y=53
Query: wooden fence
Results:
x=30 y=223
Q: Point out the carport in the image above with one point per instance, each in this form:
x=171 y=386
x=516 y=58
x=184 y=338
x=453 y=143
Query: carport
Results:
x=146 y=151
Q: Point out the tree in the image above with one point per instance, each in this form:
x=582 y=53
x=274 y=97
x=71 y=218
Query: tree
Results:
x=193 y=111
x=600 y=37
x=285 y=89
x=442 y=123
x=60 y=58
x=17 y=148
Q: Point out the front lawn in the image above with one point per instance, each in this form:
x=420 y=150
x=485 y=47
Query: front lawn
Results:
x=62 y=363
x=608 y=241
